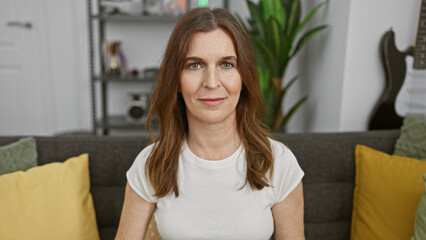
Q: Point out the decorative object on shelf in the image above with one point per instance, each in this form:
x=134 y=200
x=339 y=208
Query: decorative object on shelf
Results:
x=148 y=73
x=165 y=7
x=274 y=28
x=116 y=62
x=137 y=107
x=126 y=7
x=206 y=3
x=151 y=73
x=203 y=3
x=152 y=7
x=134 y=72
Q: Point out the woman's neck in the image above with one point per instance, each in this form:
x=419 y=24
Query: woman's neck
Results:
x=213 y=141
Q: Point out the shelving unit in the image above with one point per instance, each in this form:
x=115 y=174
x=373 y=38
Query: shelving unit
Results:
x=103 y=121
x=108 y=78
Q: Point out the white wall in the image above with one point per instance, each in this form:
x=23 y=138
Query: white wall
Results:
x=340 y=69
x=68 y=64
x=320 y=65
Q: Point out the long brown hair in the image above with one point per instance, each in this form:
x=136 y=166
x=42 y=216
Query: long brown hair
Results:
x=168 y=108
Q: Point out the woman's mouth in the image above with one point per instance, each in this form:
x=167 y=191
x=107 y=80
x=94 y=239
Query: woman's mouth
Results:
x=212 y=101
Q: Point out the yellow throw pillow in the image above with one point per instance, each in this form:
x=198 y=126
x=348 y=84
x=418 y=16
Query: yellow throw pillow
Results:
x=52 y=201
x=387 y=192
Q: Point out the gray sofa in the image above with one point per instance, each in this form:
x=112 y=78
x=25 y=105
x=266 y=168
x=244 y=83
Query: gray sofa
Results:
x=326 y=158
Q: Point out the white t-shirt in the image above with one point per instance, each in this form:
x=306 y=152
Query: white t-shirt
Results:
x=210 y=204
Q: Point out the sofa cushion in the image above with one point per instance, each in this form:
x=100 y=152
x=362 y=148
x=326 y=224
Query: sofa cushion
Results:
x=48 y=202
x=420 y=221
x=412 y=142
x=19 y=155
x=387 y=191
x=110 y=158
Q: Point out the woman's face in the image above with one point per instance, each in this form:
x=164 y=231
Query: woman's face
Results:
x=210 y=83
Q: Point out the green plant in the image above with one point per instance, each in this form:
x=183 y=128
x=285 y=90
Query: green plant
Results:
x=275 y=30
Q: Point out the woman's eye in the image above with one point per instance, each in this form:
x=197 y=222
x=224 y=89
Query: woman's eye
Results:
x=227 y=65
x=194 y=66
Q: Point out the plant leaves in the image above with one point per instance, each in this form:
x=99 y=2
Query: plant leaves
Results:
x=288 y=85
x=306 y=37
x=261 y=56
x=267 y=53
x=256 y=14
x=274 y=8
x=307 y=19
x=264 y=78
x=292 y=18
x=282 y=94
x=270 y=101
x=273 y=35
x=273 y=29
x=291 y=112
x=283 y=54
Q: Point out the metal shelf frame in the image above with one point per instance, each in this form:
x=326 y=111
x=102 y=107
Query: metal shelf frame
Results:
x=106 y=78
x=135 y=18
x=120 y=122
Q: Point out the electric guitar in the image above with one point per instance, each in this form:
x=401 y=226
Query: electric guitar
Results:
x=405 y=92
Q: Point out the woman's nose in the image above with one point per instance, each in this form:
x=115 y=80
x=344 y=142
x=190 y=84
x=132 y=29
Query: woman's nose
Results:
x=211 y=78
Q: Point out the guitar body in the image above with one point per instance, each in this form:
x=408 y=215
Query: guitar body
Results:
x=384 y=114
x=411 y=99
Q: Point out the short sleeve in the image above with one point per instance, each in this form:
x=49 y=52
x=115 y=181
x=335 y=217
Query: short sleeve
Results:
x=287 y=172
x=137 y=178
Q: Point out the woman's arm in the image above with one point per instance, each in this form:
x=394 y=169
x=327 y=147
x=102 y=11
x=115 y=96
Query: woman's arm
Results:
x=288 y=216
x=135 y=216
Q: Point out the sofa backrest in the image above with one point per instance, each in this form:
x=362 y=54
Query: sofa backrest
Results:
x=326 y=158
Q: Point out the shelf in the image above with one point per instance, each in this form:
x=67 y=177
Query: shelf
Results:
x=106 y=78
x=135 y=18
x=120 y=122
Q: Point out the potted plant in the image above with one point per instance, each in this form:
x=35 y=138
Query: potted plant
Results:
x=275 y=30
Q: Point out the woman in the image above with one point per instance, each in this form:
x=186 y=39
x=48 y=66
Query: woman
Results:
x=212 y=172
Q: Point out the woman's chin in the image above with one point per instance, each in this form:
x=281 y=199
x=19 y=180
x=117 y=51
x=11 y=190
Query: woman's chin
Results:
x=212 y=119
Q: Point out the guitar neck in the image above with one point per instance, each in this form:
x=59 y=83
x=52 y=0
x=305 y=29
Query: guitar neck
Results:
x=420 y=49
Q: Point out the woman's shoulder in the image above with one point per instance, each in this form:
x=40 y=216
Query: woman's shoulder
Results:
x=287 y=173
x=144 y=153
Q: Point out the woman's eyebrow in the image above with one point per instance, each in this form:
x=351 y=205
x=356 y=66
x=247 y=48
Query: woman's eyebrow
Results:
x=197 y=59
x=230 y=58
